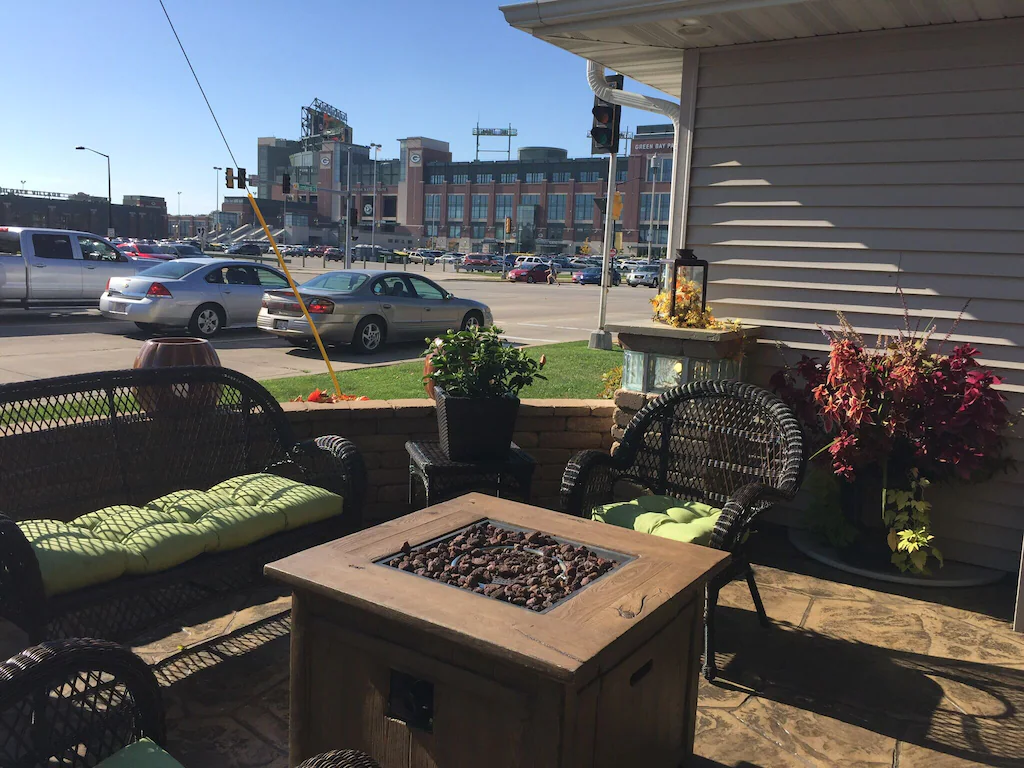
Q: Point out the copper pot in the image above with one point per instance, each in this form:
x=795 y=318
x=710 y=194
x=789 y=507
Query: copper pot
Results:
x=173 y=352
x=428 y=368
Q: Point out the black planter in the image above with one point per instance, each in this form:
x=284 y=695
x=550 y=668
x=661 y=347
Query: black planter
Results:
x=475 y=428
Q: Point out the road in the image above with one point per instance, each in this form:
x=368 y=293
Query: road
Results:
x=39 y=343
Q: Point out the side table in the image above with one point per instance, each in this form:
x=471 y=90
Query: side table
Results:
x=439 y=478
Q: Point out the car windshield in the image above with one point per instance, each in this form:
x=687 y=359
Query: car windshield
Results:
x=186 y=248
x=341 y=282
x=171 y=270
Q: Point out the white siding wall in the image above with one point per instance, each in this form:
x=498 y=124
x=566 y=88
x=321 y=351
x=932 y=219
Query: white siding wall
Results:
x=828 y=172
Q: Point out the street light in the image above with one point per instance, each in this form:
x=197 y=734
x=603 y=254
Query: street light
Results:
x=373 y=226
x=216 y=195
x=110 y=199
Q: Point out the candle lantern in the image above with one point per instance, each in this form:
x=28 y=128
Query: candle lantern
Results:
x=687 y=266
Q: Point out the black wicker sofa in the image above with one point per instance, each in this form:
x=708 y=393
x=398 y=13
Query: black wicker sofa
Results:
x=76 y=444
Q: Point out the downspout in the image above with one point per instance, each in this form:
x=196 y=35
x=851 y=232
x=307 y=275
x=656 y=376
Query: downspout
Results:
x=595 y=77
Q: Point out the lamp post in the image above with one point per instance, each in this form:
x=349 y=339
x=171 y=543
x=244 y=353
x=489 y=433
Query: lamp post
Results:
x=650 y=234
x=348 y=209
x=373 y=224
x=110 y=199
x=216 y=194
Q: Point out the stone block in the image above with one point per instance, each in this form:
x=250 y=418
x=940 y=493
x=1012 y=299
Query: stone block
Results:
x=633 y=401
x=391 y=459
x=363 y=409
x=393 y=493
x=623 y=417
x=557 y=456
x=381 y=442
x=388 y=476
x=617 y=433
x=587 y=424
x=526 y=439
x=603 y=408
x=372 y=459
x=400 y=424
x=576 y=440
x=540 y=424
x=565 y=406
x=534 y=408
x=421 y=406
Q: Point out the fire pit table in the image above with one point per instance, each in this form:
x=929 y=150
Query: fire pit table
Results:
x=482 y=631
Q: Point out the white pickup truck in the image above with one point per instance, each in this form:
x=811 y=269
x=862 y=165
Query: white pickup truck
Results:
x=59 y=266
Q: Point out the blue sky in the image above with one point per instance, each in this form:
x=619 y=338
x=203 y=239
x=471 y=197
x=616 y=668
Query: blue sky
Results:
x=109 y=75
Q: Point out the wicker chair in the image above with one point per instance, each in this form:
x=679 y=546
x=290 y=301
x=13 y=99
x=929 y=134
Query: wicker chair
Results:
x=725 y=443
x=77 y=702
x=75 y=444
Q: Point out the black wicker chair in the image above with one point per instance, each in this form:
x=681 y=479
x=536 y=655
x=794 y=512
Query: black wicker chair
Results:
x=725 y=443
x=77 y=702
x=75 y=444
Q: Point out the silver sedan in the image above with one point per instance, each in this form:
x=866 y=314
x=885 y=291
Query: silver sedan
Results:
x=203 y=294
x=366 y=308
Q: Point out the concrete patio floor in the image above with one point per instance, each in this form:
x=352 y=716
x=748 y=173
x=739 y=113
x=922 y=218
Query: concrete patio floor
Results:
x=849 y=675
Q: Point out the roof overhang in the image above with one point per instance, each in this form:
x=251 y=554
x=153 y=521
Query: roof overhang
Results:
x=645 y=39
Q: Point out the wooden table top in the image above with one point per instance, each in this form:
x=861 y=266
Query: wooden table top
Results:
x=571 y=642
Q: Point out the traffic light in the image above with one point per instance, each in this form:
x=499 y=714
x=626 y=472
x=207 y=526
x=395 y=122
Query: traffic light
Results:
x=241 y=178
x=604 y=135
x=286 y=184
x=229 y=177
x=617 y=206
x=508 y=225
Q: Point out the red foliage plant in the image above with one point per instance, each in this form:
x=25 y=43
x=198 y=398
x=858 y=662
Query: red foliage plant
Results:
x=901 y=405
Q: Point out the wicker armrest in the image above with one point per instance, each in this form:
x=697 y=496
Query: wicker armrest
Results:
x=740 y=511
x=336 y=464
x=588 y=481
x=77 y=700
x=340 y=758
x=22 y=599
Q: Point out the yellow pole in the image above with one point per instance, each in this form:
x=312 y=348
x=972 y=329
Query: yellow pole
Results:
x=295 y=290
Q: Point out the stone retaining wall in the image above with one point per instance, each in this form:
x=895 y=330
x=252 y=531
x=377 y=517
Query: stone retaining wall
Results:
x=549 y=430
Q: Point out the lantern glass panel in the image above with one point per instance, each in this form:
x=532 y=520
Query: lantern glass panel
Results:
x=633 y=364
x=667 y=372
x=667 y=283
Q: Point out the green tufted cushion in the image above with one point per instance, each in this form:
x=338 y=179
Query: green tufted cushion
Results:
x=160 y=546
x=71 y=558
x=301 y=504
x=190 y=505
x=117 y=526
x=239 y=526
x=143 y=753
x=665 y=516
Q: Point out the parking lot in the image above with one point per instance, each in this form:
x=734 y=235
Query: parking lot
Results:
x=38 y=343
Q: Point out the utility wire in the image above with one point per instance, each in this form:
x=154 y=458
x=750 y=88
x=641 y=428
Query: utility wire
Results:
x=208 y=105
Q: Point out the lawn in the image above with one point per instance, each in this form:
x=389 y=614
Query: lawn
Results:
x=573 y=371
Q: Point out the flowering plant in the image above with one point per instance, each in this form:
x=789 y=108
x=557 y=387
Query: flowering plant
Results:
x=919 y=417
x=477 y=362
x=688 y=312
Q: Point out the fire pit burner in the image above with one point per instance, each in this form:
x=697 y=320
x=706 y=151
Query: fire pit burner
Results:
x=527 y=568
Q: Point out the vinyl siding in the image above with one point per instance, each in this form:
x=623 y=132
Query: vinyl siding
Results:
x=827 y=174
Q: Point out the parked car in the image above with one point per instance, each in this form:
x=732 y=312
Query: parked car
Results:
x=334 y=254
x=186 y=250
x=643 y=275
x=58 y=265
x=476 y=262
x=529 y=273
x=294 y=250
x=216 y=247
x=366 y=308
x=140 y=250
x=205 y=295
x=452 y=258
x=245 y=249
x=592 y=276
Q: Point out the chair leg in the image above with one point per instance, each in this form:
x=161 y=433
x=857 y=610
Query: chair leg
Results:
x=710 y=603
x=756 y=597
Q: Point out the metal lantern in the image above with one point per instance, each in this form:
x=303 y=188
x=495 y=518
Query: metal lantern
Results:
x=693 y=269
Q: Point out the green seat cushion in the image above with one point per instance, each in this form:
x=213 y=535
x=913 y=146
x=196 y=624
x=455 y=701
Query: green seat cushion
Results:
x=239 y=526
x=160 y=546
x=665 y=516
x=301 y=504
x=119 y=525
x=189 y=505
x=143 y=753
x=70 y=557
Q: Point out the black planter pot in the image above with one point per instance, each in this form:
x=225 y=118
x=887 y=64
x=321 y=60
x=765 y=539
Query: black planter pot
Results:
x=475 y=428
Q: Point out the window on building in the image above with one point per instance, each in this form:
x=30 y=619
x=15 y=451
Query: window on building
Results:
x=484 y=178
x=456 y=207
x=583 y=207
x=621 y=176
x=508 y=178
x=431 y=229
x=529 y=199
x=661 y=206
x=660 y=234
x=436 y=178
x=590 y=175
x=454 y=230
x=556 y=231
x=534 y=178
x=479 y=231
x=561 y=176
x=432 y=208
x=502 y=207
x=460 y=178
x=556 y=207
x=478 y=212
x=659 y=169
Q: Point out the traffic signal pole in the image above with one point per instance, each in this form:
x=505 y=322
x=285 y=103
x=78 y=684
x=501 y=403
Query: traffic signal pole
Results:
x=602 y=339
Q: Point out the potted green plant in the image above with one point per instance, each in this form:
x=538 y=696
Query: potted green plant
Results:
x=477 y=378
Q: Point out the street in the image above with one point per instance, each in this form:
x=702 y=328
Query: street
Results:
x=39 y=343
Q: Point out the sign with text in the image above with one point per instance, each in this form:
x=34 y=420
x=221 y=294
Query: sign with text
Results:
x=647 y=145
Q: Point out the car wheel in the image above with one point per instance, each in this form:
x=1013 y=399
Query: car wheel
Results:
x=529 y=279
x=206 y=321
x=473 y=319
x=148 y=327
x=370 y=335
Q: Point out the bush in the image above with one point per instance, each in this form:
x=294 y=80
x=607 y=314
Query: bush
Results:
x=478 y=363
